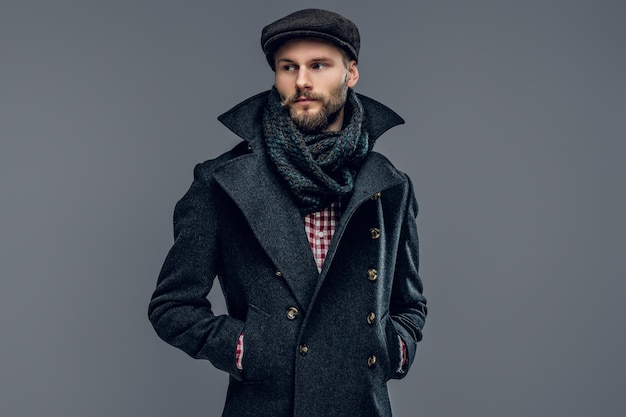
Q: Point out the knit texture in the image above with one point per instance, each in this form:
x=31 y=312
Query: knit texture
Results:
x=318 y=168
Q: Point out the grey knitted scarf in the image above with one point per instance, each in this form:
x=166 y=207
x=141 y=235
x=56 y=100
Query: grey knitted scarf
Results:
x=318 y=168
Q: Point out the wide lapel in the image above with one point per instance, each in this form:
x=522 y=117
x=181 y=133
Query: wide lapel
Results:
x=274 y=219
x=374 y=176
x=268 y=206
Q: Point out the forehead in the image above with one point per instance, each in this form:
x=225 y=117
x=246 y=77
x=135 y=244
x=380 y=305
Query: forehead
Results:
x=308 y=47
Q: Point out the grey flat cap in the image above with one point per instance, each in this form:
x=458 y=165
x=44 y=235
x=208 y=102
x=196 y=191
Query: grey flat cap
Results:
x=311 y=23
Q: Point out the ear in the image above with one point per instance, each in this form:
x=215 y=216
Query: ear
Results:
x=353 y=74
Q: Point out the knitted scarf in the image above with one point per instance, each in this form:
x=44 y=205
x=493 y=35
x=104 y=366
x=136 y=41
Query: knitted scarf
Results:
x=318 y=168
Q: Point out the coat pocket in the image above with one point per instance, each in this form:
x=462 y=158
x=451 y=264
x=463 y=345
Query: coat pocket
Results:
x=393 y=356
x=256 y=360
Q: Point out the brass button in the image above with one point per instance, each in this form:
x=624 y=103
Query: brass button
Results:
x=278 y=273
x=371 y=317
x=376 y=196
x=303 y=349
x=372 y=274
x=292 y=313
x=375 y=232
x=371 y=361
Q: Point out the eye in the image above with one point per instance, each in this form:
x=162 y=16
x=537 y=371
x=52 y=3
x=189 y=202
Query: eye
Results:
x=289 y=67
x=319 y=65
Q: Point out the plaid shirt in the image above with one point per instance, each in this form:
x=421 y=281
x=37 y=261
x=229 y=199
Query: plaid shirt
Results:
x=320 y=227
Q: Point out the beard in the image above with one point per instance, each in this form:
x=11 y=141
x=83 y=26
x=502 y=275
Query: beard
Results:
x=310 y=122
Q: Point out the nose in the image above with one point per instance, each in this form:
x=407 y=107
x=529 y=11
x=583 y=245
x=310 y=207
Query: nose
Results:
x=303 y=80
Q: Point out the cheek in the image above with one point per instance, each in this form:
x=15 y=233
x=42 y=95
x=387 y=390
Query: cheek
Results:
x=283 y=91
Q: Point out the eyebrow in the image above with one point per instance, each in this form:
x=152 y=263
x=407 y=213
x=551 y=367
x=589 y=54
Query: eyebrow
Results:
x=318 y=59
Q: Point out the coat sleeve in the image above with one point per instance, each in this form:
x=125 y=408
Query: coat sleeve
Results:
x=408 y=305
x=179 y=310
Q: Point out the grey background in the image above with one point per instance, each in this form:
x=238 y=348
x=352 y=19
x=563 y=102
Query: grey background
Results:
x=515 y=143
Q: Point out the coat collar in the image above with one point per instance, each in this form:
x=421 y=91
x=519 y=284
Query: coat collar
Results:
x=246 y=118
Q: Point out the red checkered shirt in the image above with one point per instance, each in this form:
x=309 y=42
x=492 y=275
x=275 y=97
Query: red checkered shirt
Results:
x=320 y=227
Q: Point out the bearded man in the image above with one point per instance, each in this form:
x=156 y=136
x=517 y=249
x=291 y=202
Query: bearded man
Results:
x=311 y=234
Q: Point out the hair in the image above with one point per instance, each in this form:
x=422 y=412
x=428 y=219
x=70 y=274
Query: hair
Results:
x=346 y=58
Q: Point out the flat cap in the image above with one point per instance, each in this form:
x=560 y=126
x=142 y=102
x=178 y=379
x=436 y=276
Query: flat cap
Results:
x=307 y=23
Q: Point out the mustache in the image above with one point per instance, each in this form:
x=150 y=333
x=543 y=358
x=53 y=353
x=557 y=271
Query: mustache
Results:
x=301 y=94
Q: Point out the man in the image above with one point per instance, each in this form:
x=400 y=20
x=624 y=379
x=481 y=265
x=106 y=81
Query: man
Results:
x=312 y=235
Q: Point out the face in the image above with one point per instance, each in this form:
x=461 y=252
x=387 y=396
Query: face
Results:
x=312 y=78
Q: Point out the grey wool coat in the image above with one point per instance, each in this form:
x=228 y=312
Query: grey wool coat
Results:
x=316 y=344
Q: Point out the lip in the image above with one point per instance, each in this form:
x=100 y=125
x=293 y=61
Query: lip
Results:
x=304 y=101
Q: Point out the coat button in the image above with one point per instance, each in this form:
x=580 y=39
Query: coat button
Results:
x=376 y=196
x=375 y=232
x=303 y=349
x=371 y=317
x=371 y=361
x=372 y=274
x=292 y=313
x=278 y=273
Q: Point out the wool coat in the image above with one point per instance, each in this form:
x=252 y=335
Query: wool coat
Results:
x=316 y=344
